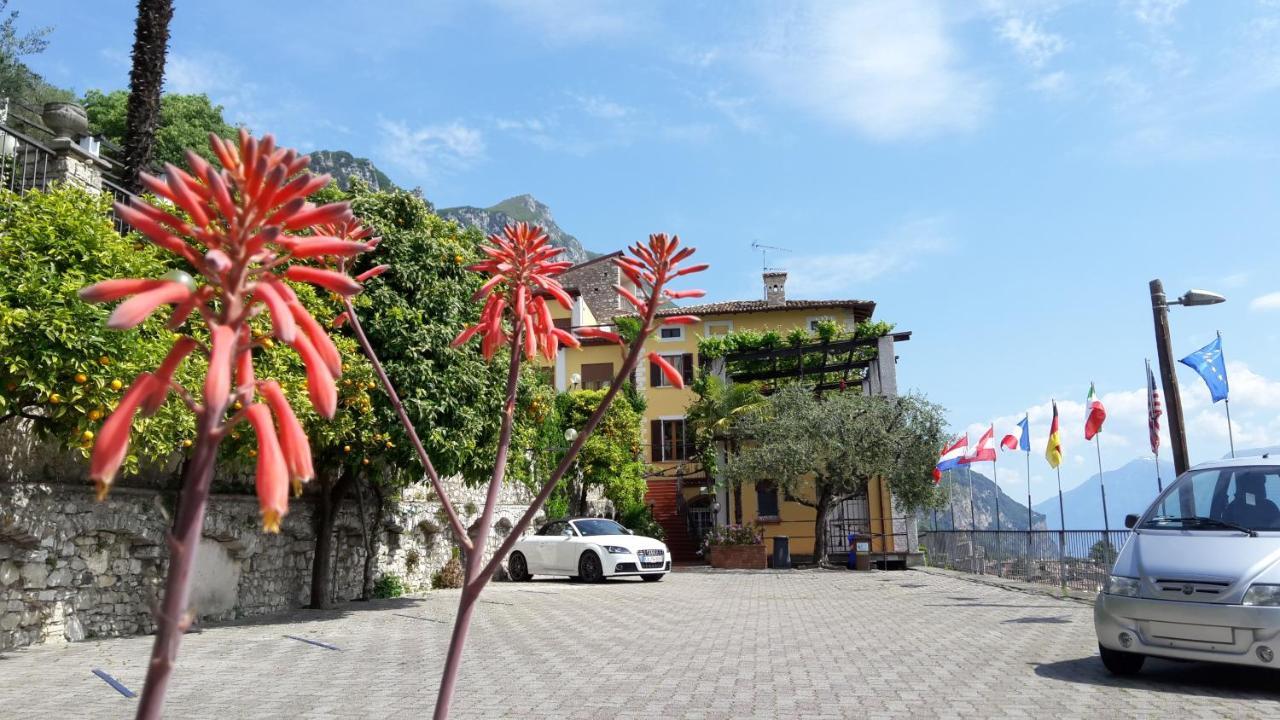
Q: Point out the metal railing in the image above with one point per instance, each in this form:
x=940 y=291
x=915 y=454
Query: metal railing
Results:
x=888 y=544
x=25 y=163
x=1075 y=559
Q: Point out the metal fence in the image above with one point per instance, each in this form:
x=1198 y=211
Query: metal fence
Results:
x=1076 y=559
x=25 y=163
x=889 y=539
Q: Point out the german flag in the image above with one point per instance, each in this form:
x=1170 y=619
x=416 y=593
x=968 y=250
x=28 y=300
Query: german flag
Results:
x=1053 y=451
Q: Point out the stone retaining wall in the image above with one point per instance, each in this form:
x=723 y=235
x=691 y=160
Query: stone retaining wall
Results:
x=72 y=568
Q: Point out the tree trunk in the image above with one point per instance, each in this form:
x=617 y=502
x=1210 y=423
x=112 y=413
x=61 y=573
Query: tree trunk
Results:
x=332 y=493
x=737 y=503
x=146 y=79
x=371 y=547
x=820 y=525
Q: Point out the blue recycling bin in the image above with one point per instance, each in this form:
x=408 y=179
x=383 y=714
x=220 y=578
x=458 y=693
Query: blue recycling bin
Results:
x=853 y=551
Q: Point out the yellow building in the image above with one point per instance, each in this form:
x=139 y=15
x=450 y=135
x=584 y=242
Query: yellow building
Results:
x=685 y=500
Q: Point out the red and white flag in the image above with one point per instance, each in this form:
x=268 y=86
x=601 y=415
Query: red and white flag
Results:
x=984 y=451
x=1154 y=410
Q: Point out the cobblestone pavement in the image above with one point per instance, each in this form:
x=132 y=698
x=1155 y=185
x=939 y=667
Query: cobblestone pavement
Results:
x=700 y=644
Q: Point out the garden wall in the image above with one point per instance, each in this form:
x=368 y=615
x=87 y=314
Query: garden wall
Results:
x=72 y=568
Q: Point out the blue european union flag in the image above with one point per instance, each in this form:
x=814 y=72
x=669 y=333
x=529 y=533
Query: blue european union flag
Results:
x=1209 y=363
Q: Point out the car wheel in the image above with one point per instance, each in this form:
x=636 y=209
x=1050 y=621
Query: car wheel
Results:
x=589 y=568
x=518 y=568
x=652 y=578
x=1121 y=663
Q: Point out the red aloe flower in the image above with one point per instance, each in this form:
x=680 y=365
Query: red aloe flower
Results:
x=244 y=226
x=521 y=272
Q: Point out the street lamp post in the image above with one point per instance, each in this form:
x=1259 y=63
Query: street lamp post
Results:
x=1164 y=354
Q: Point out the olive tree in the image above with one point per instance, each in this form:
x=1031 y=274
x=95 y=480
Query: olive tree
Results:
x=823 y=450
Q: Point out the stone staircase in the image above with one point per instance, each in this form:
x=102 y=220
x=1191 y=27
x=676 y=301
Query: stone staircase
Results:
x=662 y=496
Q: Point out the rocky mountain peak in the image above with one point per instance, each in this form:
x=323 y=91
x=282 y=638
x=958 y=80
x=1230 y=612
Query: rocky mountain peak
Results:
x=520 y=208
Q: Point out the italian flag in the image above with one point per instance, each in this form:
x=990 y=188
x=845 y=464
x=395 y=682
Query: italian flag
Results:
x=1096 y=414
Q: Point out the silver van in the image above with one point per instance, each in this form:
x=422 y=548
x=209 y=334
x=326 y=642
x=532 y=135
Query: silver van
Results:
x=1199 y=577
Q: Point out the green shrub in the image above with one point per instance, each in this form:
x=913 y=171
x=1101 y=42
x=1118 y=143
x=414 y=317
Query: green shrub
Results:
x=388 y=586
x=448 y=577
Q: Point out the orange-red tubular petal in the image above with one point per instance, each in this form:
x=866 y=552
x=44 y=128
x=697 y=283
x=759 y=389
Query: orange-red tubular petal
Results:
x=324 y=214
x=595 y=332
x=320 y=386
x=217 y=385
x=112 y=445
x=673 y=375
x=631 y=298
x=679 y=294
x=465 y=335
x=372 y=273
x=221 y=195
x=272 y=473
x=530 y=337
x=283 y=325
x=319 y=339
x=340 y=319
x=154 y=231
x=133 y=311
x=109 y=290
x=184 y=196
x=315 y=247
x=565 y=337
x=691 y=269
x=244 y=371
x=330 y=280
x=680 y=320
x=293 y=440
x=184 y=309
x=164 y=374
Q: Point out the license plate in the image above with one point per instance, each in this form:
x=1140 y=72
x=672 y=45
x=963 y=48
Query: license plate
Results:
x=1198 y=633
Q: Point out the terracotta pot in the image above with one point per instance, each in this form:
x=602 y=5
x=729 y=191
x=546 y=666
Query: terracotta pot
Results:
x=66 y=120
x=739 y=557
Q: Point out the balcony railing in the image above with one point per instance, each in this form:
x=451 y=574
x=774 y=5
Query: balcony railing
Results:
x=25 y=163
x=1075 y=559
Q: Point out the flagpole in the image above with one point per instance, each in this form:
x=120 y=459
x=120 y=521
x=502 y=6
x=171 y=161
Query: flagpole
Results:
x=1062 y=532
x=1102 y=484
x=1159 y=483
x=995 y=478
x=1153 y=423
x=1227 y=401
x=1030 y=522
x=951 y=498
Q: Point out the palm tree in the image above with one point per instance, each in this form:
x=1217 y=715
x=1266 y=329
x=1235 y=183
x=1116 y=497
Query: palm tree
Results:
x=713 y=417
x=146 y=78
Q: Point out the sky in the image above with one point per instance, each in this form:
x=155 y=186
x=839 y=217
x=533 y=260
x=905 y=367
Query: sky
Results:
x=1003 y=178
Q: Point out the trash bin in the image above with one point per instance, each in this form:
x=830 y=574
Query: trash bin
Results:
x=781 y=552
x=859 y=551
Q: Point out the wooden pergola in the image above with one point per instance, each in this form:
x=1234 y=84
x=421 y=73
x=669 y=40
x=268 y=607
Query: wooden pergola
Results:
x=828 y=365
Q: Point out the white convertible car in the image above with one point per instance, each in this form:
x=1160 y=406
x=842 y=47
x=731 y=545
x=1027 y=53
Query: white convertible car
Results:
x=591 y=549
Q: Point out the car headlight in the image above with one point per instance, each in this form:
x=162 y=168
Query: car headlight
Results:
x=615 y=550
x=1122 y=586
x=1262 y=595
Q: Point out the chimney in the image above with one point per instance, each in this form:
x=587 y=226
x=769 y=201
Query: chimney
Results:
x=775 y=288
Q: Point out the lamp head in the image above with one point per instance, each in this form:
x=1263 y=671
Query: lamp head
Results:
x=1199 y=297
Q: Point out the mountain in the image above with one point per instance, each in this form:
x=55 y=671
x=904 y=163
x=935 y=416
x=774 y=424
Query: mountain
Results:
x=1130 y=489
x=1013 y=515
x=521 y=208
x=342 y=165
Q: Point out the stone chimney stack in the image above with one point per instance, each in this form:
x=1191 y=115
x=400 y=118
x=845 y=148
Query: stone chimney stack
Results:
x=775 y=288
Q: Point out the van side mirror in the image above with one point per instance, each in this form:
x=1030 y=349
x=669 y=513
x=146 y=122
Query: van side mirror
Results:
x=1130 y=521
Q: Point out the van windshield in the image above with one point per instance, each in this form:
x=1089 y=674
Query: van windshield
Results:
x=1236 y=498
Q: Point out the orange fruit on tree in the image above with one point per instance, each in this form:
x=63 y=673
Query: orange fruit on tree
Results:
x=81 y=378
x=54 y=398
x=87 y=435
x=104 y=360
x=95 y=414
x=186 y=443
x=116 y=384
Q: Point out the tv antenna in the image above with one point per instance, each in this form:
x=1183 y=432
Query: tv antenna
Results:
x=764 y=254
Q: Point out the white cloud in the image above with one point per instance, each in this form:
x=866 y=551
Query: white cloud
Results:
x=1270 y=301
x=736 y=109
x=1033 y=44
x=601 y=107
x=833 y=274
x=888 y=69
x=1156 y=13
x=426 y=150
x=1053 y=83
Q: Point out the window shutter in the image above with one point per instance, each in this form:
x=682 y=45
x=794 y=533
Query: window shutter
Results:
x=656 y=378
x=655 y=439
x=686 y=367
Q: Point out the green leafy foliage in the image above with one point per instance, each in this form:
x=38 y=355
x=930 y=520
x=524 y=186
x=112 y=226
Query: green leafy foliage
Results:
x=185 y=122
x=388 y=586
x=822 y=450
x=411 y=314
x=610 y=459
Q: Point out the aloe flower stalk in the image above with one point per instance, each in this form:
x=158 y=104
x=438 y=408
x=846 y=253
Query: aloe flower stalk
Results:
x=238 y=228
x=522 y=269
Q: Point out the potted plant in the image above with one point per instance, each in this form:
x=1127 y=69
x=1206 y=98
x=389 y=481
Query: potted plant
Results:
x=735 y=547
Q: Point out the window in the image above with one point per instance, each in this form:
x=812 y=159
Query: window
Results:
x=1203 y=500
x=671 y=333
x=682 y=362
x=596 y=376
x=552 y=529
x=766 y=500
x=716 y=328
x=670 y=439
x=813 y=322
